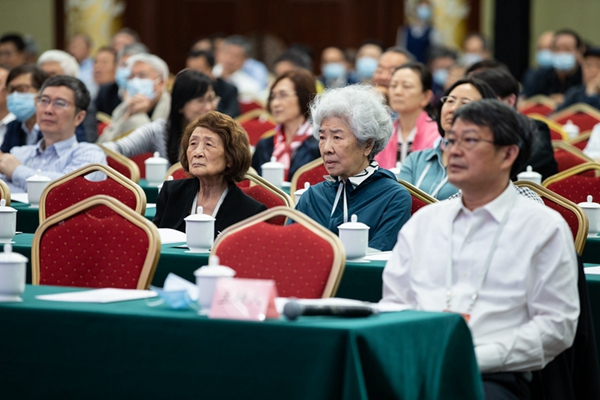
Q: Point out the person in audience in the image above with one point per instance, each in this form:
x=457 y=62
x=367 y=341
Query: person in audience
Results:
x=334 y=68
x=455 y=73
x=506 y=87
x=352 y=125
x=192 y=96
x=61 y=106
x=125 y=37
x=419 y=34
x=391 y=59
x=366 y=60
x=567 y=49
x=22 y=85
x=543 y=56
x=504 y=263
x=290 y=60
x=6 y=116
x=109 y=95
x=80 y=47
x=293 y=143
x=475 y=48
x=203 y=61
x=232 y=55
x=440 y=61
x=105 y=66
x=146 y=98
x=426 y=169
x=215 y=151
x=415 y=129
x=588 y=91
x=58 y=62
x=12 y=50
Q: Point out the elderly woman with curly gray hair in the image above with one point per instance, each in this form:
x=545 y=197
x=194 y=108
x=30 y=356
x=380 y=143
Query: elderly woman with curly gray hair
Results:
x=353 y=124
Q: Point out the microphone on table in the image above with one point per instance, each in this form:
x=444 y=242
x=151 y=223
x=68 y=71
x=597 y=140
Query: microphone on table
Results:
x=293 y=310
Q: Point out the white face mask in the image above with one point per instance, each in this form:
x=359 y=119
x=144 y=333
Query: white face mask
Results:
x=141 y=86
x=563 y=61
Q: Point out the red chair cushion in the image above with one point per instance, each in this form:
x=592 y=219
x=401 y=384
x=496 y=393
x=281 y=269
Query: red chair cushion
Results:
x=566 y=160
x=567 y=214
x=101 y=126
x=180 y=173
x=312 y=176
x=246 y=106
x=584 y=121
x=87 y=251
x=297 y=259
x=416 y=204
x=139 y=160
x=576 y=188
x=541 y=109
x=268 y=198
x=255 y=128
x=79 y=188
x=119 y=167
x=581 y=144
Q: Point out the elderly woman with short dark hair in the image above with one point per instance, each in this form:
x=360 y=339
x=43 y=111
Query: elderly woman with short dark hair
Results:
x=215 y=151
x=353 y=124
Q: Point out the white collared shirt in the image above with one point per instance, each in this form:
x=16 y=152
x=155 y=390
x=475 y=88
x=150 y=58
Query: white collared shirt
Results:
x=10 y=117
x=528 y=306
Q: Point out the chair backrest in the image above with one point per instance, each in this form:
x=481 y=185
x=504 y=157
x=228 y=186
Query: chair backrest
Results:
x=312 y=173
x=77 y=248
x=576 y=183
x=571 y=212
x=540 y=104
x=305 y=259
x=256 y=123
x=139 y=161
x=582 y=115
x=74 y=187
x=581 y=140
x=568 y=156
x=248 y=105
x=122 y=164
x=268 y=194
x=177 y=172
x=4 y=192
x=419 y=198
x=556 y=130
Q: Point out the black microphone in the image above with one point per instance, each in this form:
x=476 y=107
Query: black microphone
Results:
x=293 y=310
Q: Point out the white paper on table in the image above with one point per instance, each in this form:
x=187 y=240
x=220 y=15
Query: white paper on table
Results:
x=280 y=302
x=20 y=197
x=106 y=295
x=150 y=205
x=382 y=256
x=175 y=283
x=168 y=235
x=592 y=270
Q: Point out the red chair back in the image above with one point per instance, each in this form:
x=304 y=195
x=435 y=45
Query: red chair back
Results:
x=255 y=128
x=311 y=173
x=268 y=198
x=582 y=115
x=419 y=198
x=577 y=187
x=536 y=108
x=139 y=161
x=249 y=105
x=566 y=159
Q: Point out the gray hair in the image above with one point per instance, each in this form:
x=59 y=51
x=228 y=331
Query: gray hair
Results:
x=67 y=62
x=239 y=40
x=153 y=61
x=362 y=107
x=130 y=50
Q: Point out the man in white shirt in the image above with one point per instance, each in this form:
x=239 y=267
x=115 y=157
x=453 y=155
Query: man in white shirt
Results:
x=504 y=262
x=231 y=58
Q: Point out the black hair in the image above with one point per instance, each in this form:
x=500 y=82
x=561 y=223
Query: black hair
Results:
x=207 y=55
x=298 y=58
x=507 y=126
x=80 y=92
x=484 y=64
x=16 y=39
x=189 y=84
x=500 y=80
x=565 y=31
x=38 y=76
x=440 y=52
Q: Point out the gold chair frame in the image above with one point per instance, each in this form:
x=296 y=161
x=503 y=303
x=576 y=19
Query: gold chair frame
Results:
x=559 y=144
x=418 y=193
x=306 y=167
x=257 y=180
x=172 y=170
x=134 y=170
x=140 y=196
x=576 y=170
x=152 y=257
x=339 y=253
x=575 y=108
x=538 y=99
x=551 y=124
x=582 y=219
x=256 y=113
x=581 y=137
x=103 y=117
x=4 y=192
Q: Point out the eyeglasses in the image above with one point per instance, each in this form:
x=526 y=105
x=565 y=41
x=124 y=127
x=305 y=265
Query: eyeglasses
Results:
x=24 y=88
x=451 y=100
x=56 y=103
x=281 y=96
x=212 y=100
x=466 y=143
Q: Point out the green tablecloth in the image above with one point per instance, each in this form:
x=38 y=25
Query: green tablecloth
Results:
x=151 y=191
x=591 y=251
x=130 y=350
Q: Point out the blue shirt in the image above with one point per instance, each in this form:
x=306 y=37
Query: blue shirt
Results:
x=54 y=161
x=425 y=170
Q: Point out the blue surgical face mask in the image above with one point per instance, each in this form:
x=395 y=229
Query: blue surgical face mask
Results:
x=145 y=87
x=365 y=67
x=424 y=12
x=544 y=58
x=563 y=61
x=440 y=76
x=22 y=105
x=334 y=70
x=177 y=300
x=121 y=77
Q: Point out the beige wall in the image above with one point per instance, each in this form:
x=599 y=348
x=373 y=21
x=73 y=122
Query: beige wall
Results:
x=34 y=17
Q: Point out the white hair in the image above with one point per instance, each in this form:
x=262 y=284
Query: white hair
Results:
x=67 y=62
x=362 y=107
x=153 y=61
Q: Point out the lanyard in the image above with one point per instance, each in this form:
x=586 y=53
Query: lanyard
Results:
x=486 y=266
x=438 y=187
x=341 y=187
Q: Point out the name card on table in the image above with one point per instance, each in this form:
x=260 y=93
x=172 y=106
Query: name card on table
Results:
x=244 y=299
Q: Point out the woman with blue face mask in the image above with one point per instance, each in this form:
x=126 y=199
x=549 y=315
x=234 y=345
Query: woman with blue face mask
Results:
x=22 y=84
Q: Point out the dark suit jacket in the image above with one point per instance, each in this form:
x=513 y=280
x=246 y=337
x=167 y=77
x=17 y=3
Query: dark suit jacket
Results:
x=16 y=136
x=229 y=98
x=175 y=202
x=542 y=154
x=107 y=98
x=308 y=151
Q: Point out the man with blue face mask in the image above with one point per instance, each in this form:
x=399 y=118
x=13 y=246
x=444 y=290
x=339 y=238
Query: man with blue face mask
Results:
x=334 y=68
x=565 y=72
x=366 y=60
x=145 y=100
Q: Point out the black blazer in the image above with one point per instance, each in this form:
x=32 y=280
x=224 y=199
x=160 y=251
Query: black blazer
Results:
x=175 y=200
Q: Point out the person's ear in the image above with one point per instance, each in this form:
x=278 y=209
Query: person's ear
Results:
x=79 y=117
x=368 y=147
x=510 y=155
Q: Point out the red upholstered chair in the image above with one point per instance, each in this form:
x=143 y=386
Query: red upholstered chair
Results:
x=122 y=164
x=540 y=104
x=75 y=247
x=139 y=161
x=571 y=212
x=248 y=105
x=104 y=120
x=305 y=259
x=576 y=183
x=177 y=172
x=419 y=198
x=74 y=187
x=568 y=156
x=312 y=173
x=271 y=196
x=256 y=123
x=556 y=130
x=581 y=141
x=4 y=192
x=582 y=115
